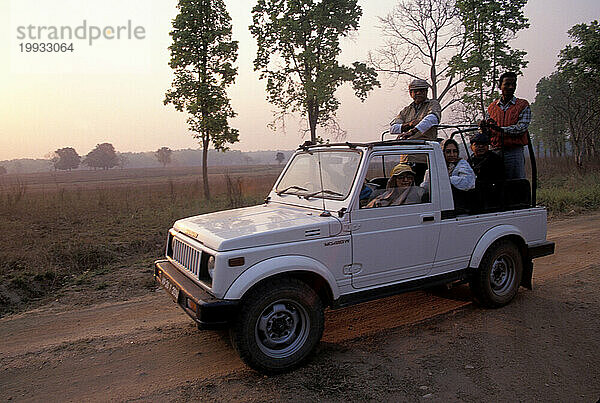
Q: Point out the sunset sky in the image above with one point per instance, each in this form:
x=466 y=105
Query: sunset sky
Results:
x=113 y=90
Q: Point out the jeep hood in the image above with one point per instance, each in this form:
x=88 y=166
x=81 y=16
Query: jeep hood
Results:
x=262 y=225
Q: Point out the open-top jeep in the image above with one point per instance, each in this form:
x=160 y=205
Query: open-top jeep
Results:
x=268 y=271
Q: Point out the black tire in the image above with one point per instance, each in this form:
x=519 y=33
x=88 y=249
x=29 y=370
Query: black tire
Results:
x=497 y=280
x=279 y=325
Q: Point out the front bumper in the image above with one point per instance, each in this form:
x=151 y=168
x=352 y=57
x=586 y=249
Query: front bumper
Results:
x=206 y=310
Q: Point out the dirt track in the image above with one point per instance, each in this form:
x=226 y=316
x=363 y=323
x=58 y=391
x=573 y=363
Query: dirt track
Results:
x=148 y=349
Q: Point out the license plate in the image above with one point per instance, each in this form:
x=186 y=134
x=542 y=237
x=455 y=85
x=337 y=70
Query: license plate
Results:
x=170 y=287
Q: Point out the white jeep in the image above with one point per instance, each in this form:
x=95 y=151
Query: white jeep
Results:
x=268 y=271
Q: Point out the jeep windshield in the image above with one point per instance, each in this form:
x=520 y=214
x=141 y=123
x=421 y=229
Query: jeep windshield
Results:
x=325 y=174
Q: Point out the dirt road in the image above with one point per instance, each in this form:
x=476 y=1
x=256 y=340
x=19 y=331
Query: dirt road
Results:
x=544 y=346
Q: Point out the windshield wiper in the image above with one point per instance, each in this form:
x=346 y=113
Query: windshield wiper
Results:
x=331 y=192
x=290 y=188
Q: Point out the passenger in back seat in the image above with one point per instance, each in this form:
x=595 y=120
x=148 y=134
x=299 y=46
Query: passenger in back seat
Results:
x=486 y=164
x=461 y=174
x=489 y=170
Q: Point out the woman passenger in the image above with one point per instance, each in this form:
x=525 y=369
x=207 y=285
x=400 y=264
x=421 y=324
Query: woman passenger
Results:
x=460 y=172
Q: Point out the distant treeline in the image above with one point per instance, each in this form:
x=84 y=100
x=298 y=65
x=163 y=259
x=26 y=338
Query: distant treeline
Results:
x=188 y=157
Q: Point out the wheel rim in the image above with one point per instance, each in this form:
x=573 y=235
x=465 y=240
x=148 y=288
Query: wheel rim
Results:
x=282 y=328
x=502 y=275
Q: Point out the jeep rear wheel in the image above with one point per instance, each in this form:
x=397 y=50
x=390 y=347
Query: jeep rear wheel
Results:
x=497 y=281
x=279 y=325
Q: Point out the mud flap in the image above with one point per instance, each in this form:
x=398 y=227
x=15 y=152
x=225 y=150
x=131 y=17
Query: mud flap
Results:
x=526 y=278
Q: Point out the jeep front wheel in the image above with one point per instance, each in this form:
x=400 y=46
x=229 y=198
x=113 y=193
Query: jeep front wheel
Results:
x=497 y=281
x=279 y=325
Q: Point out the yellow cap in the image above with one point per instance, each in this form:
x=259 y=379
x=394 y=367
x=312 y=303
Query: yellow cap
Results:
x=402 y=168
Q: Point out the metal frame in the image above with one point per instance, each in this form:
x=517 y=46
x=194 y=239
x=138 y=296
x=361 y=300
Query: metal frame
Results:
x=460 y=130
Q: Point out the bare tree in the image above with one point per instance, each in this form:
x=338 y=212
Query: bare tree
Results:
x=421 y=37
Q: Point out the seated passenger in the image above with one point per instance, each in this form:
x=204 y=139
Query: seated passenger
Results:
x=487 y=165
x=461 y=174
x=365 y=194
x=400 y=189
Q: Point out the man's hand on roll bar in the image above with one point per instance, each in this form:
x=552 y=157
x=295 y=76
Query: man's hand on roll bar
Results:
x=489 y=123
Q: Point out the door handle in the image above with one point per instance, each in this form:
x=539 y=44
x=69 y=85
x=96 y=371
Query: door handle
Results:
x=427 y=218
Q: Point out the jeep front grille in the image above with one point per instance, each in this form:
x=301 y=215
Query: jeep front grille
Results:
x=192 y=260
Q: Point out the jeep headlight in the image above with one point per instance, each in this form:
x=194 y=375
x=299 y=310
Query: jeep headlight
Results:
x=210 y=265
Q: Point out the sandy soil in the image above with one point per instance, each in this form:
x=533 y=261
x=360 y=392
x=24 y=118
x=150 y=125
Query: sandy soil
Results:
x=422 y=345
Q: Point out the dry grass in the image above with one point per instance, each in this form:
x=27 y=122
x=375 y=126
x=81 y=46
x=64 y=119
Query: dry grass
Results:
x=101 y=234
x=565 y=189
x=87 y=236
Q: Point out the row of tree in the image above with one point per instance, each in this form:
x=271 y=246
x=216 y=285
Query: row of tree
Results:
x=566 y=110
x=103 y=156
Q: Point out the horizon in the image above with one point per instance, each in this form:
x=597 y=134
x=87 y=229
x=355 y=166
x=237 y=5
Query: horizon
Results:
x=113 y=91
x=198 y=149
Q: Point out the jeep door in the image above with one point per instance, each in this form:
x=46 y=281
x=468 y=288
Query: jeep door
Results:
x=391 y=243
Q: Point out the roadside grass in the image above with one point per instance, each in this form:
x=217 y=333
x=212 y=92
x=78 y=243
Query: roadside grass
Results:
x=61 y=240
x=576 y=196
x=562 y=188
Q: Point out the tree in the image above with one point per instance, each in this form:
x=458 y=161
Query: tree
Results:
x=547 y=130
x=280 y=157
x=582 y=59
x=421 y=37
x=569 y=106
x=163 y=155
x=66 y=159
x=581 y=63
x=123 y=160
x=567 y=102
x=103 y=156
x=202 y=57
x=3 y=170
x=298 y=48
x=489 y=25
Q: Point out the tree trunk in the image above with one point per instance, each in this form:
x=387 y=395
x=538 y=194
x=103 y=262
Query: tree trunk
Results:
x=481 y=103
x=313 y=131
x=205 y=142
x=433 y=77
x=578 y=153
x=312 y=119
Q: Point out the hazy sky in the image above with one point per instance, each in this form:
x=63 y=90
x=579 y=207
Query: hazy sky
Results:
x=113 y=90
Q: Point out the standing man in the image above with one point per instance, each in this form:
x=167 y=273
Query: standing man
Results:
x=419 y=119
x=509 y=119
